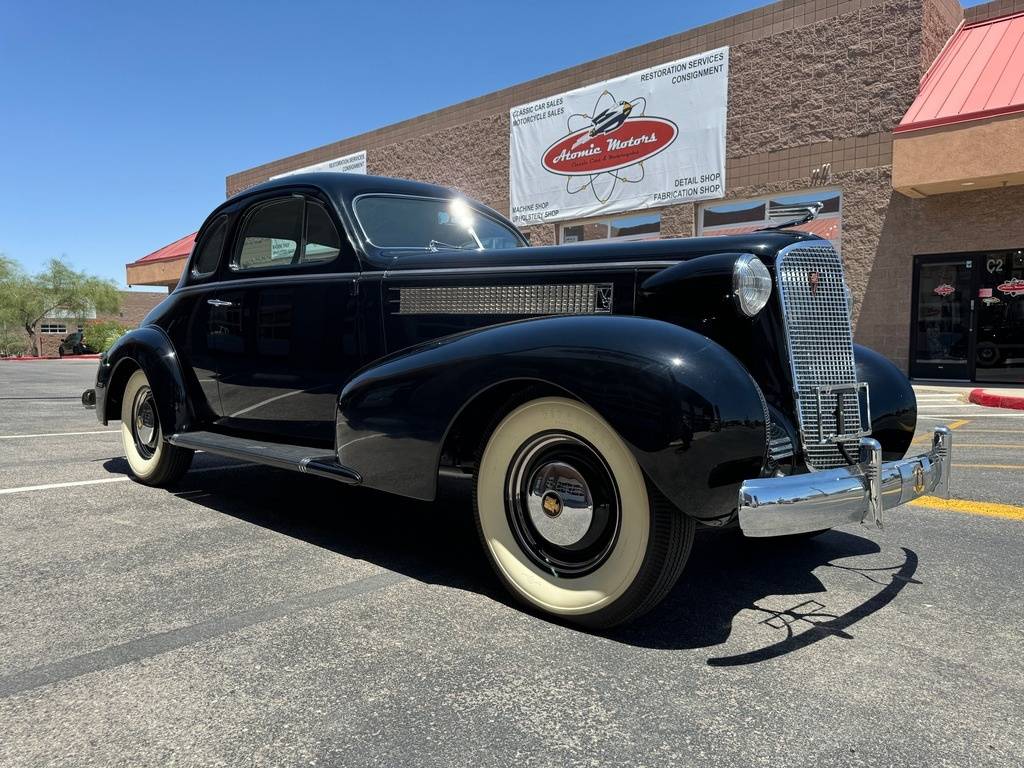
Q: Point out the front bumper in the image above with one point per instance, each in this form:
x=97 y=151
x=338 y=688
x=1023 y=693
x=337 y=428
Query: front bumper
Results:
x=779 y=506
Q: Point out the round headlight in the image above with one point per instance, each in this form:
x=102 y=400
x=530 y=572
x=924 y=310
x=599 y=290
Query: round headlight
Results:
x=752 y=284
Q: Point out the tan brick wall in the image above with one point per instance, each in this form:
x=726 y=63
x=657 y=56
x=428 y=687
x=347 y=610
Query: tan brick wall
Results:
x=991 y=10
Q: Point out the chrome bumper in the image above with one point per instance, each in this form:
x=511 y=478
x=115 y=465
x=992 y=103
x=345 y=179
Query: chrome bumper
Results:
x=778 y=506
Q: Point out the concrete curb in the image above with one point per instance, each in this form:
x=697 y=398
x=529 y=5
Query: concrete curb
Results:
x=992 y=400
x=47 y=359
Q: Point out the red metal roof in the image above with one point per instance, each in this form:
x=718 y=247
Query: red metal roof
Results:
x=179 y=249
x=979 y=73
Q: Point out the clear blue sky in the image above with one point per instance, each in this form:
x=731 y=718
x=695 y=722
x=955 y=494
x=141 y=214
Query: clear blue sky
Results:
x=119 y=121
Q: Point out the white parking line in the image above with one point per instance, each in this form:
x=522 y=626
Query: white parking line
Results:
x=61 y=434
x=27 y=488
x=119 y=479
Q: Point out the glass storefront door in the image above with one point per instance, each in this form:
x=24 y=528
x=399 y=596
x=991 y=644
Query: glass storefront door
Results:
x=968 y=317
x=999 y=347
x=943 y=314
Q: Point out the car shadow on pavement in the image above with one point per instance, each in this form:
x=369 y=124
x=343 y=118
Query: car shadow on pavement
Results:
x=437 y=543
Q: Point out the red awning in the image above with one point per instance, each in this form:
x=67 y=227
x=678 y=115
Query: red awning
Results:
x=979 y=73
x=179 y=249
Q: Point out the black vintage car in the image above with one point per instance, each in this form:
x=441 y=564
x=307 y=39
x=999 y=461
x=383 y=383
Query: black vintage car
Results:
x=74 y=344
x=604 y=399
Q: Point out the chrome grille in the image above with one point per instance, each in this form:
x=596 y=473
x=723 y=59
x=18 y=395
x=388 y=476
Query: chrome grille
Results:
x=817 y=319
x=779 y=445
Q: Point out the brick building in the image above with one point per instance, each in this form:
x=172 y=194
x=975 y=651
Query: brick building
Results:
x=854 y=103
x=135 y=305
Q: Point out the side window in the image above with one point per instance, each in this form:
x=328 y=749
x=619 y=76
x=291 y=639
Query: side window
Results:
x=271 y=235
x=208 y=255
x=322 y=240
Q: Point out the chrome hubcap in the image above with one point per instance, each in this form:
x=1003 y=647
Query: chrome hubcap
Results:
x=562 y=504
x=559 y=502
x=145 y=426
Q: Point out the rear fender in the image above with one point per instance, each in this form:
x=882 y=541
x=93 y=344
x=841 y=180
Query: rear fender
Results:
x=688 y=410
x=150 y=349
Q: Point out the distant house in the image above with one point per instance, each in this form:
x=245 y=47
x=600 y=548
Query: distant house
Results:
x=52 y=329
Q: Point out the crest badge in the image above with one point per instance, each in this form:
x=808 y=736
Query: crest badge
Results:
x=813 y=279
x=918 y=479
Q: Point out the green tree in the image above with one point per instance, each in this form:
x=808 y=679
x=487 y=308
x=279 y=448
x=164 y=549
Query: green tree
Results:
x=26 y=299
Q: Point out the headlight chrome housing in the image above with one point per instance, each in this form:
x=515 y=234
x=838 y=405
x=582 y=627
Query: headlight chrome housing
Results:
x=751 y=284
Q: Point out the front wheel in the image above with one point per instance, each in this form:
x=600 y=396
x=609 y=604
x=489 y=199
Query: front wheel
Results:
x=568 y=520
x=152 y=459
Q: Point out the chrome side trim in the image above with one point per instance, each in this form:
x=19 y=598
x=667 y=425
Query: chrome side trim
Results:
x=395 y=273
x=243 y=282
x=780 y=506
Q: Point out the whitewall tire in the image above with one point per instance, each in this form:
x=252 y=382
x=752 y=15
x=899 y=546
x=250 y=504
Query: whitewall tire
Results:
x=568 y=520
x=153 y=461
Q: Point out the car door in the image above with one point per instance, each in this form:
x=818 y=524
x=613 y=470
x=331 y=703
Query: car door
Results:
x=293 y=336
x=201 y=327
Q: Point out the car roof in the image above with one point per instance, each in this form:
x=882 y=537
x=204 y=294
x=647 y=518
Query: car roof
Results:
x=345 y=187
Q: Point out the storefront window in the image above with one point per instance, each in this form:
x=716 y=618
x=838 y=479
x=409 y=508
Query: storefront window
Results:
x=641 y=226
x=740 y=216
x=999 y=350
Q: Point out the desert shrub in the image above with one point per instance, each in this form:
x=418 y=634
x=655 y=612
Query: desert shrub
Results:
x=101 y=336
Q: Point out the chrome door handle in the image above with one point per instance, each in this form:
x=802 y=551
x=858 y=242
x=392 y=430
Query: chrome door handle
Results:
x=219 y=303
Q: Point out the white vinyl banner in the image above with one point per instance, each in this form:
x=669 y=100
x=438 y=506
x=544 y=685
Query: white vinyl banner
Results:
x=646 y=139
x=354 y=163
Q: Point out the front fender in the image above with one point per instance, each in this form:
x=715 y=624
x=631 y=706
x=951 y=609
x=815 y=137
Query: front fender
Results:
x=150 y=349
x=893 y=403
x=688 y=410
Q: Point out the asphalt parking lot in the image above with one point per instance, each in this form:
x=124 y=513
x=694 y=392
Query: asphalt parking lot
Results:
x=256 y=617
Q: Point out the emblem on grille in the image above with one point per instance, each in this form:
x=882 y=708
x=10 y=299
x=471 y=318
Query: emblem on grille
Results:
x=813 y=278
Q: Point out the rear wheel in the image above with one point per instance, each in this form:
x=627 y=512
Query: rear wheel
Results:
x=152 y=459
x=568 y=520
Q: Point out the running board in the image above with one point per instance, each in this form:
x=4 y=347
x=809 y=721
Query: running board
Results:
x=298 y=458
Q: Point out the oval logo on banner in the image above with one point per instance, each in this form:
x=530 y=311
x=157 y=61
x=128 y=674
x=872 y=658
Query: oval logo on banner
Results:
x=637 y=139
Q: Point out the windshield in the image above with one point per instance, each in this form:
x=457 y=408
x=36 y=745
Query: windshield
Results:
x=390 y=221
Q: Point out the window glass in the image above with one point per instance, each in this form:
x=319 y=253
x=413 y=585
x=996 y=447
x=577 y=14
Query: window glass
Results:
x=271 y=234
x=645 y=226
x=591 y=230
x=53 y=328
x=421 y=222
x=740 y=216
x=208 y=255
x=631 y=226
x=322 y=240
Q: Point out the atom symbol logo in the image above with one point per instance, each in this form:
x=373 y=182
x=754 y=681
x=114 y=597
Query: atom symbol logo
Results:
x=608 y=147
